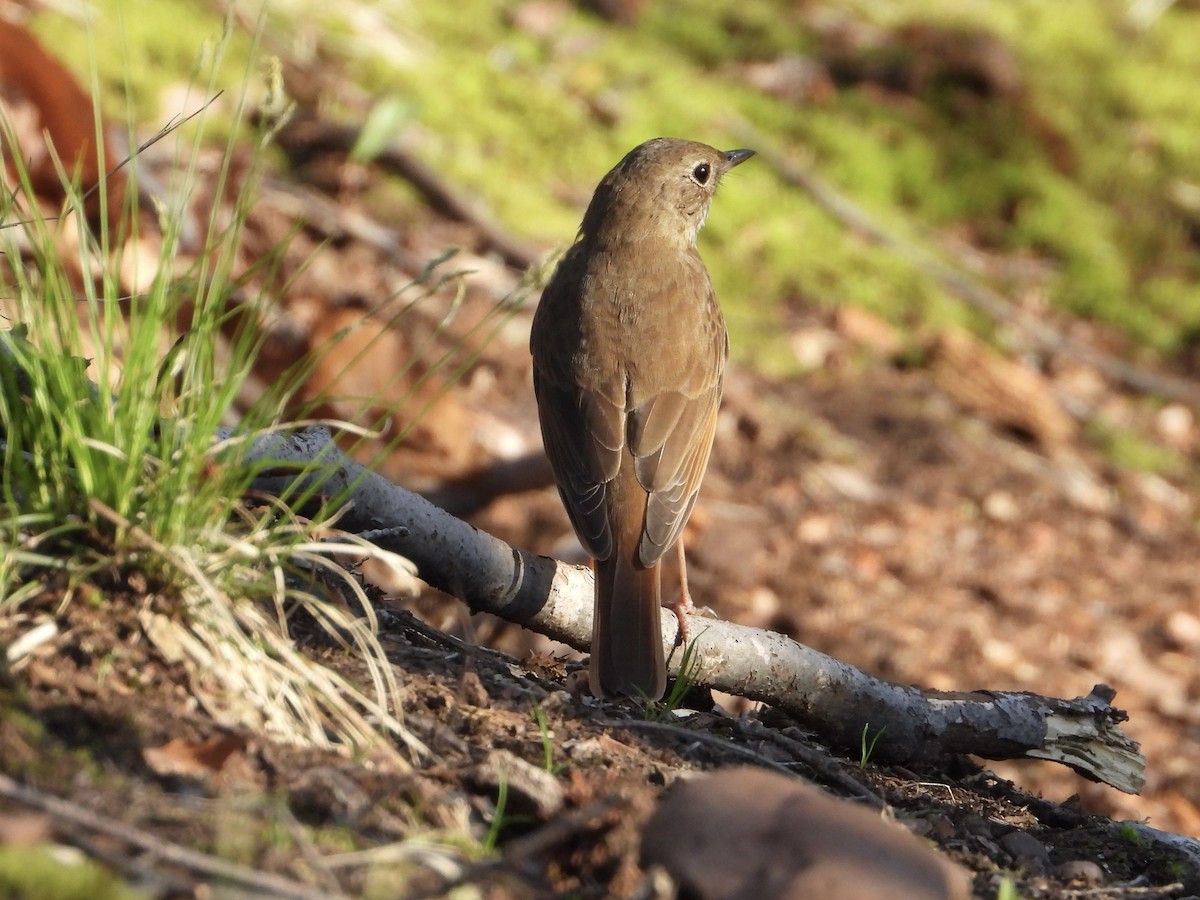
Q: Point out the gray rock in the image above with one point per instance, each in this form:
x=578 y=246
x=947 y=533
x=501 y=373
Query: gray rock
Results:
x=1027 y=851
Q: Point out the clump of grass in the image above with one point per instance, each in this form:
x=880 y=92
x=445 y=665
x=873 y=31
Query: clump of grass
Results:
x=499 y=818
x=690 y=665
x=547 y=739
x=111 y=466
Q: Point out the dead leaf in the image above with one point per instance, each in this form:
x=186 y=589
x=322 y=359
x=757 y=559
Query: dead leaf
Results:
x=189 y=759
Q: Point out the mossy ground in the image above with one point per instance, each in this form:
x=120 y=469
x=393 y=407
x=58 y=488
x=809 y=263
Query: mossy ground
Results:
x=530 y=121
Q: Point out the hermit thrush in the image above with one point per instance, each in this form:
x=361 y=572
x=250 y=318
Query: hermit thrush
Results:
x=629 y=348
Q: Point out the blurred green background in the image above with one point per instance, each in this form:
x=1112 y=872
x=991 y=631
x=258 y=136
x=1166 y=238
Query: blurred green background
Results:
x=1048 y=147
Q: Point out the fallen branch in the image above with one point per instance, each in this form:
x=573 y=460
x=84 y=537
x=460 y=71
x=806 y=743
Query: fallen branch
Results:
x=306 y=136
x=473 y=491
x=832 y=697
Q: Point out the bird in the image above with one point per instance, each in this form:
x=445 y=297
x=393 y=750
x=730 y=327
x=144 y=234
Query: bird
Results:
x=629 y=348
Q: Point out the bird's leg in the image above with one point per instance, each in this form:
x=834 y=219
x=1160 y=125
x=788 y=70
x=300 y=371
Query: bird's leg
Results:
x=684 y=604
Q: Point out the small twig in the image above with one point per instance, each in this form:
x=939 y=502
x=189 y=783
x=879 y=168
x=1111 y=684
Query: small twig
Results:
x=307 y=135
x=939 y=784
x=820 y=762
x=335 y=219
x=445 y=861
x=700 y=737
x=274 y=885
x=1158 y=890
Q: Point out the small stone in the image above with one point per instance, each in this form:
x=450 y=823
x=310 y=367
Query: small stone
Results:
x=1183 y=628
x=813 y=346
x=1175 y=424
x=1001 y=506
x=1079 y=870
x=762 y=608
x=1026 y=850
x=816 y=529
x=530 y=789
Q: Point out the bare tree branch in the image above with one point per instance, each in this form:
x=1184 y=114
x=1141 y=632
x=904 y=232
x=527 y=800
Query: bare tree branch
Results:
x=832 y=697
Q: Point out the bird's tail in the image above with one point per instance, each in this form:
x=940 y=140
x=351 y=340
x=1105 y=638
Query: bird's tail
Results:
x=627 y=642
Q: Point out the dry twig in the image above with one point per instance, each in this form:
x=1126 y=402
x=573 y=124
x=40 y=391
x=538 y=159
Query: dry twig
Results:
x=307 y=135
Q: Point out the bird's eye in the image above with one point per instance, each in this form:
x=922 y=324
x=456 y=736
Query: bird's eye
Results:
x=701 y=173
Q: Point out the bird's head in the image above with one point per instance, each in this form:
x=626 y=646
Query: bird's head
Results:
x=662 y=189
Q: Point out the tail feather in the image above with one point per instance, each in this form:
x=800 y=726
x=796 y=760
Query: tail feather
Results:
x=627 y=642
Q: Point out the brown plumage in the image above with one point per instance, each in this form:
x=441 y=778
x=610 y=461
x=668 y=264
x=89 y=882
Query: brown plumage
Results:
x=629 y=348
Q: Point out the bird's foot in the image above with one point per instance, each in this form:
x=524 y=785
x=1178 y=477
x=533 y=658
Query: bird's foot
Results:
x=682 y=607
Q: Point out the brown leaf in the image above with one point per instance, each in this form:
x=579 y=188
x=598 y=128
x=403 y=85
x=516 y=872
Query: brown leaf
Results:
x=546 y=665
x=1000 y=390
x=33 y=81
x=190 y=759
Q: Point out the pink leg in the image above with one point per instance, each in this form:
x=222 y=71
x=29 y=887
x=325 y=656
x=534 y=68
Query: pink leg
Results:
x=684 y=604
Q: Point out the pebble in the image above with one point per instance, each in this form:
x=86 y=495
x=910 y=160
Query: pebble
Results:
x=1183 y=628
x=1027 y=851
x=1001 y=506
x=1083 y=870
x=1176 y=424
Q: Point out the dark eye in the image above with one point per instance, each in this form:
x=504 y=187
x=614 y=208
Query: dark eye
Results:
x=701 y=173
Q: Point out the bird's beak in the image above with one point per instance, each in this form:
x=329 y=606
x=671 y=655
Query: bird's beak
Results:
x=737 y=157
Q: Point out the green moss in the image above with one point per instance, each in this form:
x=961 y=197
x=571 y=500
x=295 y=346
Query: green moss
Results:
x=1077 y=168
x=531 y=124
x=57 y=874
x=712 y=34
x=1128 y=832
x=1126 y=449
x=1173 y=302
x=137 y=49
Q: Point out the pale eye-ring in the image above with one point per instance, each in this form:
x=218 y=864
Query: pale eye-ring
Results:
x=701 y=173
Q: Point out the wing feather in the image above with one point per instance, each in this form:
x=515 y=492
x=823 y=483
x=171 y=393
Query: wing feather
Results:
x=672 y=472
x=583 y=436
